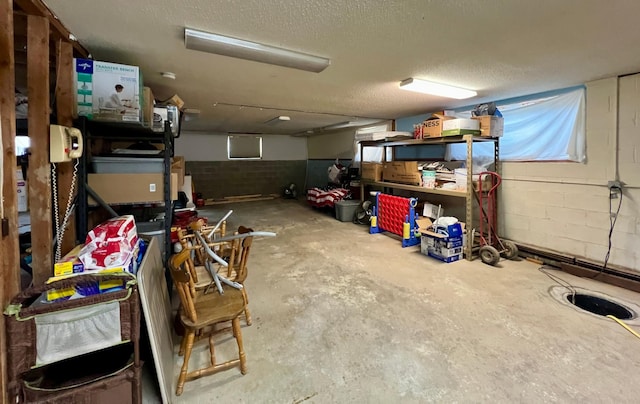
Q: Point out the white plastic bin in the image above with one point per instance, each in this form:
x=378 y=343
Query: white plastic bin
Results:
x=345 y=210
x=123 y=165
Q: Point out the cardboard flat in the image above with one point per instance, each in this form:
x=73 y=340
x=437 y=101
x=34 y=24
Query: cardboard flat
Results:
x=178 y=167
x=147 y=106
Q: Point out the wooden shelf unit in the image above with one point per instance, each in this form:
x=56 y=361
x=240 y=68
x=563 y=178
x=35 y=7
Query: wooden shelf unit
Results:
x=467 y=195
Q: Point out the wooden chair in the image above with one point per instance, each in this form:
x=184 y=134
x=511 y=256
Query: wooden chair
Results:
x=201 y=276
x=199 y=313
x=237 y=254
x=237 y=270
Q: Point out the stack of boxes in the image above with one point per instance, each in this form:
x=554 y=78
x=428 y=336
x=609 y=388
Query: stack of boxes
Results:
x=439 y=125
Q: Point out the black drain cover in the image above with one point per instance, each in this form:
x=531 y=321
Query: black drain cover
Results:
x=600 y=306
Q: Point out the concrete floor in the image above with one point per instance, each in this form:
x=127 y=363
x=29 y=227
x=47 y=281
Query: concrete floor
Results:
x=344 y=316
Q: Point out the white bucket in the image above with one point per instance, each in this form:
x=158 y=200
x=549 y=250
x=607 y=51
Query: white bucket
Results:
x=429 y=179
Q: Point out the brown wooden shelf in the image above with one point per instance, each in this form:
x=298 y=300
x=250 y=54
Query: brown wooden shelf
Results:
x=415 y=188
x=428 y=141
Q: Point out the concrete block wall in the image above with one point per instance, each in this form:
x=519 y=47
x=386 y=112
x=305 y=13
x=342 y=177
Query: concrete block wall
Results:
x=284 y=161
x=217 y=179
x=565 y=206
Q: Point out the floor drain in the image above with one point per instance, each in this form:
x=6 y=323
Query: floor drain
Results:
x=599 y=306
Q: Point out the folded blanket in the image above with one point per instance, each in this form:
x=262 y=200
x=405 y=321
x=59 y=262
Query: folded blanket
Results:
x=320 y=198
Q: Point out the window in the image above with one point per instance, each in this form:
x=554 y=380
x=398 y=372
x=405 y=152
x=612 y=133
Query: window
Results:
x=244 y=147
x=22 y=144
x=537 y=128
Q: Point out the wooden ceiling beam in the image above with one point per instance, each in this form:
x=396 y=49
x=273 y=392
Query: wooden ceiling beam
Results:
x=38 y=8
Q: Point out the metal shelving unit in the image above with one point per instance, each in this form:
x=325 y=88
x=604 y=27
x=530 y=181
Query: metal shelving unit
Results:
x=122 y=131
x=468 y=196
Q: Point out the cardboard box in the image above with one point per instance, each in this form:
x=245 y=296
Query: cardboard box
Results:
x=432 y=127
x=444 y=247
x=69 y=264
x=131 y=188
x=175 y=100
x=178 y=167
x=107 y=91
x=23 y=197
x=371 y=171
x=402 y=171
x=491 y=126
x=148 y=102
x=454 y=230
x=456 y=127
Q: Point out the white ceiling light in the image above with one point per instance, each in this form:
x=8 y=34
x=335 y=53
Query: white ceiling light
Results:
x=239 y=48
x=442 y=90
x=168 y=75
x=278 y=119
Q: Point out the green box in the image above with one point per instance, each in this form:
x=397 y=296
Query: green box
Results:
x=458 y=132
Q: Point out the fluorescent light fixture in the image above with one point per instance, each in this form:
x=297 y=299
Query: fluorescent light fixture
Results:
x=340 y=125
x=239 y=48
x=278 y=119
x=442 y=90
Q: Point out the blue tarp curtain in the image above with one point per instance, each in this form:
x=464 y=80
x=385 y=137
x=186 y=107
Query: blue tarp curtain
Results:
x=544 y=129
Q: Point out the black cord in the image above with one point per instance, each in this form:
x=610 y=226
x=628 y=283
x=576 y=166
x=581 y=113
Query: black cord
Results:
x=612 y=224
x=560 y=282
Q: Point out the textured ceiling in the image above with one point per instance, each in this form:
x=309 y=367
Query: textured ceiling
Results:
x=500 y=48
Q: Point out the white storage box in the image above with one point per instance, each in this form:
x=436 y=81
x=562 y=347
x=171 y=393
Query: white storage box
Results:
x=123 y=165
x=454 y=127
x=470 y=124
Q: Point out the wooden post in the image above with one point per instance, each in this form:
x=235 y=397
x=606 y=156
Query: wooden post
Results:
x=64 y=103
x=39 y=174
x=9 y=249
